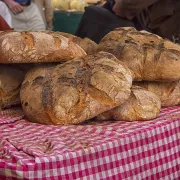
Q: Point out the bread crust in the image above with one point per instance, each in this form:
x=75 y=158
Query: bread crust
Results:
x=142 y=105
x=31 y=93
x=10 y=83
x=34 y=47
x=77 y=90
x=149 y=56
x=89 y=46
x=168 y=92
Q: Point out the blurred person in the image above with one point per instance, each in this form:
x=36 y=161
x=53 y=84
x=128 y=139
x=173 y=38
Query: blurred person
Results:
x=160 y=16
x=5 y=14
x=97 y=21
x=46 y=10
x=25 y=15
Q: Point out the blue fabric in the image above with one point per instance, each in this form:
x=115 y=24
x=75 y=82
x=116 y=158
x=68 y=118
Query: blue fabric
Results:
x=24 y=2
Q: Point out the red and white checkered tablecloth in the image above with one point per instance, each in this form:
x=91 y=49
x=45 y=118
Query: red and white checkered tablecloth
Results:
x=93 y=151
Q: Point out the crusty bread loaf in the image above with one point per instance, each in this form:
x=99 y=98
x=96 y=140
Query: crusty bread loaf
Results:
x=32 y=93
x=168 y=92
x=89 y=46
x=33 y=47
x=10 y=82
x=76 y=90
x=142 y=105
x=149 y=56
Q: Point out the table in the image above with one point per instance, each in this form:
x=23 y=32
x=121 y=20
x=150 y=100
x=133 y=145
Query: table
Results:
x=95 y=150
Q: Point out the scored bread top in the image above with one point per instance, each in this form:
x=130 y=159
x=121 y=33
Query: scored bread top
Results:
x=87 y=44
x=149 y=56
x=34 y=47
x=77 y=90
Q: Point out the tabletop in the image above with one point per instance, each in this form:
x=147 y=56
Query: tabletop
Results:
x=93 y=150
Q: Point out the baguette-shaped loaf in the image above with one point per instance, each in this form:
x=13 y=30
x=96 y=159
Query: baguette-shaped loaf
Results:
x=10 y=83
x=75 y=91
x=149 y=56
x=142 y=105
x=34 y=47
x=168 y=92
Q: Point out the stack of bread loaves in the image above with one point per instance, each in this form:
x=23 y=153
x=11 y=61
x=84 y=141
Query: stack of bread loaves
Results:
x=79 y=88
x=75 y=80
x=32 y=47
x=155 y=63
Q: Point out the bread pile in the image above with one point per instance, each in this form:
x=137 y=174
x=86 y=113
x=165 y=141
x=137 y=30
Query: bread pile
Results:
x=75 y=79
x=155 y=63
x=32 y=47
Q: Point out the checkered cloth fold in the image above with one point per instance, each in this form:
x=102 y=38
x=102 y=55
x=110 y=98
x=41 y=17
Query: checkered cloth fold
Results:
x=95 y=150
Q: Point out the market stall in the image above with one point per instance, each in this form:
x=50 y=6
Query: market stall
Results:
x=74 y=109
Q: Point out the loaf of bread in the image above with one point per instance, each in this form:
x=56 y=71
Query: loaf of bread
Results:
x=89 y=46
x=10 y=83
x=142 y=105
x=76 y=90
x=33 y=47
x=149 y=56
x=31 y=93
x=168 y=92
